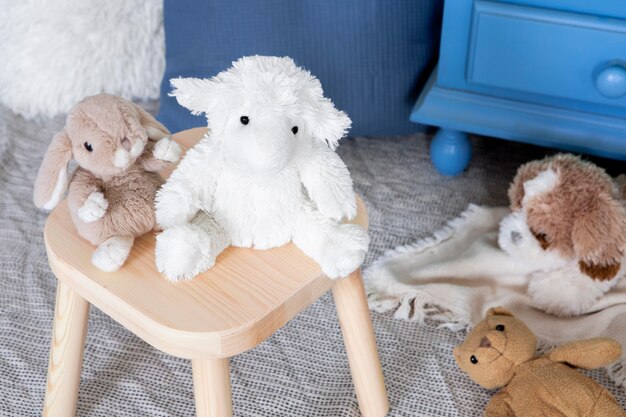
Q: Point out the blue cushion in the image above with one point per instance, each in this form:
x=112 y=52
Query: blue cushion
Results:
x=371 y=56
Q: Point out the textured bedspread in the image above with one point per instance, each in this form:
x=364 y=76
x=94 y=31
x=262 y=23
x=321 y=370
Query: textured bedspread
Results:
x=300 y=371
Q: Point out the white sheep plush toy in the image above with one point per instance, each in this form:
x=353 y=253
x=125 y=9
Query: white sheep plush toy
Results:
x=264 y=175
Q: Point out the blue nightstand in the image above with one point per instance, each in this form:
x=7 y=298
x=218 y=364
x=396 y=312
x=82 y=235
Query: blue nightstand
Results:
x=547 y=72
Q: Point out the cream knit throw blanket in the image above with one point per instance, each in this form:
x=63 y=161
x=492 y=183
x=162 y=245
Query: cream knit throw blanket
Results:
x=456 y=275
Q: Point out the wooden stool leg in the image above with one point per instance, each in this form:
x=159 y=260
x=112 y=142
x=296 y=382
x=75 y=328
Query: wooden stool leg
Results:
x=358 y=335
x=66 y=353
x=211 y=382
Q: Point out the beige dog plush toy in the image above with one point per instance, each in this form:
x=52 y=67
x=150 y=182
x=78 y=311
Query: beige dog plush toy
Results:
x=118 y=147
x=500 y=352
x=568 y=220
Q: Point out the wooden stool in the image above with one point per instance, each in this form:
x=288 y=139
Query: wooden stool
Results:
x=227 y=310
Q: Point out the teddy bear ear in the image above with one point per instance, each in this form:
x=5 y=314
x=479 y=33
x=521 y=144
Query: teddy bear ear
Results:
x=599 y=238
x=498 y=311
x=196 y=94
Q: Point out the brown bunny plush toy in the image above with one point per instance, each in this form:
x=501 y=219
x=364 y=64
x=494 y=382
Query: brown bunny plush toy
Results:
x=119 y=148
x=500 y=352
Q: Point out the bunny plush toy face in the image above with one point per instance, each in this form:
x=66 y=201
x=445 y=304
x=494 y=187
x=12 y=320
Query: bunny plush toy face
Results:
x=263 y=110
x=105 y=134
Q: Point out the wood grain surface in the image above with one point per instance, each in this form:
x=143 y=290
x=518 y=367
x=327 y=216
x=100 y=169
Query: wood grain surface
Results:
x=66 y=353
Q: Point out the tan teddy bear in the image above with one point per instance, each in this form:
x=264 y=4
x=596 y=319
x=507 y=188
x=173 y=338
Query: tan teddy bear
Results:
x=500 y=352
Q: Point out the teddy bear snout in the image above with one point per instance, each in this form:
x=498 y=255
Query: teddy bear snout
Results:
x=494 y=340
x=485 y=343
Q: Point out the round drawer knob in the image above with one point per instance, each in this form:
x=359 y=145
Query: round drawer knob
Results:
x=611 y=82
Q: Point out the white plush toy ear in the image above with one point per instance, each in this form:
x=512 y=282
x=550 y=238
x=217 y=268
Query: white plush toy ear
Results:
x=196 y=94
x=328 y=124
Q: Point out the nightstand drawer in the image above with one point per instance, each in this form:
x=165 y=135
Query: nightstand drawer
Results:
x=548 y=53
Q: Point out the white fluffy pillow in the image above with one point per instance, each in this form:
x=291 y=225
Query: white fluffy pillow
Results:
x=55 y=52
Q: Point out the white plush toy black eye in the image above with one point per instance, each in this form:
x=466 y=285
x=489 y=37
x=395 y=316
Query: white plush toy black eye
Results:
x=244 y=120
x=294 y=129
x=88 y=147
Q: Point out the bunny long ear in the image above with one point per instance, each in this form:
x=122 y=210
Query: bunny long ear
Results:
x=152 y=126
x=328 y=124
x=52 y=178
x=599 y=238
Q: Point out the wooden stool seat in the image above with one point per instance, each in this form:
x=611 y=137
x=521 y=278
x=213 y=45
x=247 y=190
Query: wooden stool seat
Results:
x=229 y=309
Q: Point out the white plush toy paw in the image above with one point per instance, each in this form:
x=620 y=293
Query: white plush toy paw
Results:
x=338 y=208
x=112 y=253
x=184 y=251
x=347 y=251
x=93 y=208
x=566 y=292
x=167 y=150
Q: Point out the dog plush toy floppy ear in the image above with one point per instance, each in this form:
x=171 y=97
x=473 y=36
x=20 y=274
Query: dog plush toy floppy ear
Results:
x=500 y=353
x=118 y=148
x=599 y=238
x=265 y=174
x=569 y=220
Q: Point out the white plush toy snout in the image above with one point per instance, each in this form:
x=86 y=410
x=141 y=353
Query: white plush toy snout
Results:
x=260 y=143
x=514 y=236
x=516 y=239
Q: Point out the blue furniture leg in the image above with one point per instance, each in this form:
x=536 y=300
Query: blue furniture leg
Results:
x=450 y=151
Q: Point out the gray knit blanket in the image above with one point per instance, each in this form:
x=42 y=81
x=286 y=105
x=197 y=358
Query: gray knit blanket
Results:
x=300 y=371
